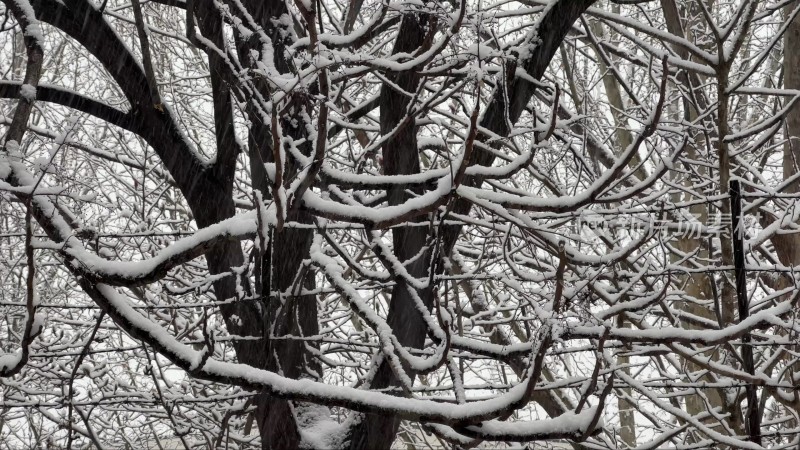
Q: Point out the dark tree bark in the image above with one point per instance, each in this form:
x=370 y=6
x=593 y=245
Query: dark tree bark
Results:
x=278 y=310
x=401 y=157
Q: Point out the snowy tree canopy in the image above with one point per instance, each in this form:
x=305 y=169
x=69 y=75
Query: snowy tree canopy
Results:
x=363 y=224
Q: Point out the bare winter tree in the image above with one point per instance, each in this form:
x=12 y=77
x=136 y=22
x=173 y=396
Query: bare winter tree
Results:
x=363 y=224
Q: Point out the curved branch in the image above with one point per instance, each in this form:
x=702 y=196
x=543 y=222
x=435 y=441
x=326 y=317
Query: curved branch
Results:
x=83 y=22
x=71 y=99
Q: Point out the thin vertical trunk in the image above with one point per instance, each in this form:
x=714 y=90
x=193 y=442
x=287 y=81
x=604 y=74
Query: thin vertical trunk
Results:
x=378 y=432
x=787 y=246
x=697 y=286
x=400 y=156
x=627 y=421
x=791 y=150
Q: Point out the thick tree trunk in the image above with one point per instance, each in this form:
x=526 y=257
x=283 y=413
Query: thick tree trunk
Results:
x=287 y=314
